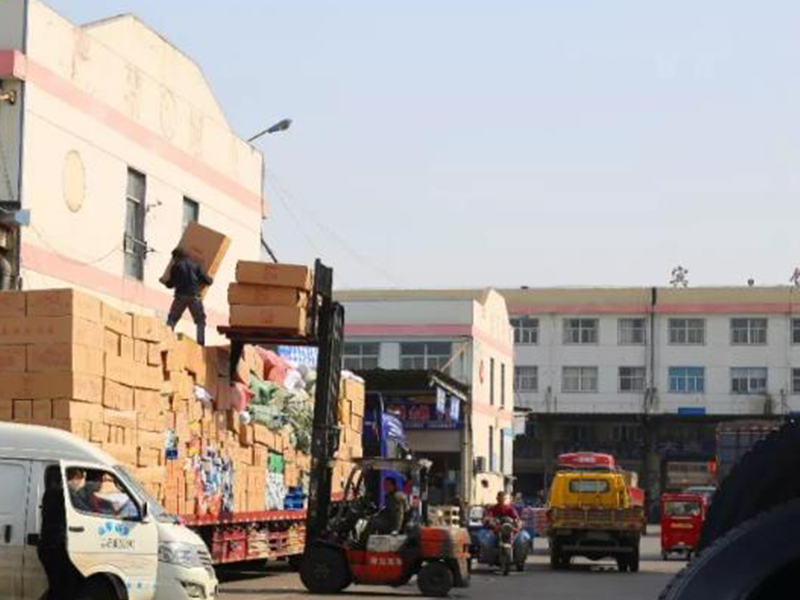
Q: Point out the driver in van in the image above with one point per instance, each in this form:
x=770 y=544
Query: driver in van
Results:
x=91 y=498
x=63 y=578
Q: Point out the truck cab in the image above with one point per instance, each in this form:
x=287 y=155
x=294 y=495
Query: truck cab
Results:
x=122 y=542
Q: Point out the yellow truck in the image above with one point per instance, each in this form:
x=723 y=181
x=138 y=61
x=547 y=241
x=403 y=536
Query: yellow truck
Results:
x=590 y=513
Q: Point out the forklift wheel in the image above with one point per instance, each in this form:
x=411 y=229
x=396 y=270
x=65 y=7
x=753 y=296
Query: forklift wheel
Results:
x=324 y=571
x=435 y=579
x=295 y=562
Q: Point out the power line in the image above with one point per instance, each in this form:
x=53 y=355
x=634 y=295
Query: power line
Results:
x=281 y=190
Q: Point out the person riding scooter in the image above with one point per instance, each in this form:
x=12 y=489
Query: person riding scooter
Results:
x=504 y=543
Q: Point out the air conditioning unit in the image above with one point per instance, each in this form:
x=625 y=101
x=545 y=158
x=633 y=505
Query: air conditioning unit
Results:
x=479 y=464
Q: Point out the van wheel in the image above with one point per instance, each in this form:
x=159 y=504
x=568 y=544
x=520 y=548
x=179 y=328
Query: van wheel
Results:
x=98 y=590
x=622 y=563
x=435 y=579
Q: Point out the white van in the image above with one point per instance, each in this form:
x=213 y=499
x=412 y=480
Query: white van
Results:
x=136 y=551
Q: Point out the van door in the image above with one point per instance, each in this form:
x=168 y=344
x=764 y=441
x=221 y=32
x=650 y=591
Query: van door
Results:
x=14 y=476
x=107 y=532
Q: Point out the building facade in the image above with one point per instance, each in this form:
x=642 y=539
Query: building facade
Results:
x=466 y=335
x=647 y=373
x=113 y=141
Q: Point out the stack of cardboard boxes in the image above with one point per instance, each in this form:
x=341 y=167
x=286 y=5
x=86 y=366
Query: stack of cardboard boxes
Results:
x=159 y=403
x=270 y=296
x=350 y=412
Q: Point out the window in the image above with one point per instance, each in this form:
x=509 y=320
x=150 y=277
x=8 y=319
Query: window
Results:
x=359 y=357
x=631 y=379
x=687 y=380
x=626 y=433
x=796 y=381
x=749 y=380
x=491 y=449
x=100 y=493
x=690 y=332
x=134 y=245
x=796 y=331
x=191 y=212
x=579 y=379
x=580 y=331
x=491 y=381
x=425 y=355
x=526 y=331
x=631 y=332
x=682 y=508
x=748 y=331
x=589 y=486
x=503 y=385
x=526 y=379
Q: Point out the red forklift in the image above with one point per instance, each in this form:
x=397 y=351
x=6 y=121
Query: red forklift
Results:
x=336 y=555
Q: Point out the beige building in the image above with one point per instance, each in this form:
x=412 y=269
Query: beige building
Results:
x=113 y=142
x=465 y=334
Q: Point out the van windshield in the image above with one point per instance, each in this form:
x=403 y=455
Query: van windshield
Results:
x=156 y=510
x=589 y=486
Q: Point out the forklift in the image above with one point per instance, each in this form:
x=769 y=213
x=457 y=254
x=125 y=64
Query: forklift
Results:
x=336 y=555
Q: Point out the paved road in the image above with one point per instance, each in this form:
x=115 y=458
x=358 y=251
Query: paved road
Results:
x=585 y=581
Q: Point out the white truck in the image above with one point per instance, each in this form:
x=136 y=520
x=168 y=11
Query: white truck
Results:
x=139 y=552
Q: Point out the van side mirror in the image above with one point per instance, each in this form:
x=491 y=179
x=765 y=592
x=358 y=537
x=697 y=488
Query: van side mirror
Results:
x=144 y=511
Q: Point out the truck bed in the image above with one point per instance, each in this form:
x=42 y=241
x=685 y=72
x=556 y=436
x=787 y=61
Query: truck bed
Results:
x=589 y=518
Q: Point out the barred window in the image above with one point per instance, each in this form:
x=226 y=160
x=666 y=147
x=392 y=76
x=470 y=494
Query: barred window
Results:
x=526 y=331
x=579 y=379
x=580 y=331
x=690 y=332
x=748 y=331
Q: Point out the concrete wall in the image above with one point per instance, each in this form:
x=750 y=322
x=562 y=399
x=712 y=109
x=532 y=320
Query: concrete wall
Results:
x=101 y=99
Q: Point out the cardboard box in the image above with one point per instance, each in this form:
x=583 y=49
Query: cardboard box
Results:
x=149 y=329
x=140 y=352
x=203 y=245
x=63 y=303
x=66 y=357
x=116 y=395
x=122 y=370
x=122 y=452
x=149 y=378
x=118 y=418
x=154 y=358
x=266 y=295
x=269 y=317
x=117 y=321
x=65 y=384
x=12 y=358
x=112 y=343
x=66 y=409
x=352 y=390
x=42 y=410
x=147 y=402
x=126 y=347
x=280 y=275
x=50 y=330
x=6 y=409
x=23 y=410
x=12 y=304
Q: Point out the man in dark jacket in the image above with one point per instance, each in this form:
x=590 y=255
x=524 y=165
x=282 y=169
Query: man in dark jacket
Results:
x=63 y=578
x=187 y=278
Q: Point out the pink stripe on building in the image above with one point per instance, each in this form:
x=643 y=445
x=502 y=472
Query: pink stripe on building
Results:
x=378 y=330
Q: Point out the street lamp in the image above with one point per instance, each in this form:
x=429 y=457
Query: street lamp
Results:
x=281 y=125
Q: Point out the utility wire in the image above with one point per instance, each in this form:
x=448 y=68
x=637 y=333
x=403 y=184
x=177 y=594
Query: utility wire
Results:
x=282 y=191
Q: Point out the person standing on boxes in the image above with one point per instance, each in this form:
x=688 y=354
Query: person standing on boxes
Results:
x=187 y=278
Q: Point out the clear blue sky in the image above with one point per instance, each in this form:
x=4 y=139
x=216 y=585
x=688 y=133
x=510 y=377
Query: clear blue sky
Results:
x=539 y=142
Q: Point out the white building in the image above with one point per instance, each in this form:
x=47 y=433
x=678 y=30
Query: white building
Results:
x=468 y=336
x=648 y=372
x=113 y=140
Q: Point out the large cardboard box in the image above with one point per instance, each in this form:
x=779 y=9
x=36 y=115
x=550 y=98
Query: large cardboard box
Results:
x=67 y=409
x=65 y=384
x=63 y=303
x=149 y=329
x=122 y=370
x=261 y=273
x=12 y=304
x=50 y=330
x=352 y=390
x=116 y=320
x=12 y=358
x=266 y=295
x=203 y=245
x=269 y=317
x=65 y=357
x=116 y=395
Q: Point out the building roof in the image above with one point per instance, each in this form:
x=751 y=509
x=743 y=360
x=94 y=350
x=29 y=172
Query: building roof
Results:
x=392 y=295
x=412 y=381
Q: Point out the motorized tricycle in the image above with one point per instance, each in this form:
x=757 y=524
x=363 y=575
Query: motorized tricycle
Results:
x=682 y=517
x=503 y=544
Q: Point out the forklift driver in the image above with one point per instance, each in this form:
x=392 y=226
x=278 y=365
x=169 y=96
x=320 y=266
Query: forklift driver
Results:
x=391 y=517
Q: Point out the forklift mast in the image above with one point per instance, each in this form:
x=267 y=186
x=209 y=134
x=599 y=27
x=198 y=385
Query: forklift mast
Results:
x=325 y=433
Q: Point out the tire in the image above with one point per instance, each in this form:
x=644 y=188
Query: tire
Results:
x=521 y=566
x=633 y=560
x=295 y=562
x=766 y=476
x=748 y=563
x=435 y=579
x=622 y=564
x=325 y=571
x=505 y=560
x=98 y=590
x=664 y=555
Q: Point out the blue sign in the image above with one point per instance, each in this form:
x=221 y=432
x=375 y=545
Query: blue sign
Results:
x=301 y=355
x=691 y=411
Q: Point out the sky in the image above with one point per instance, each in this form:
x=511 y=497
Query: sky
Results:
x=463 y=143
